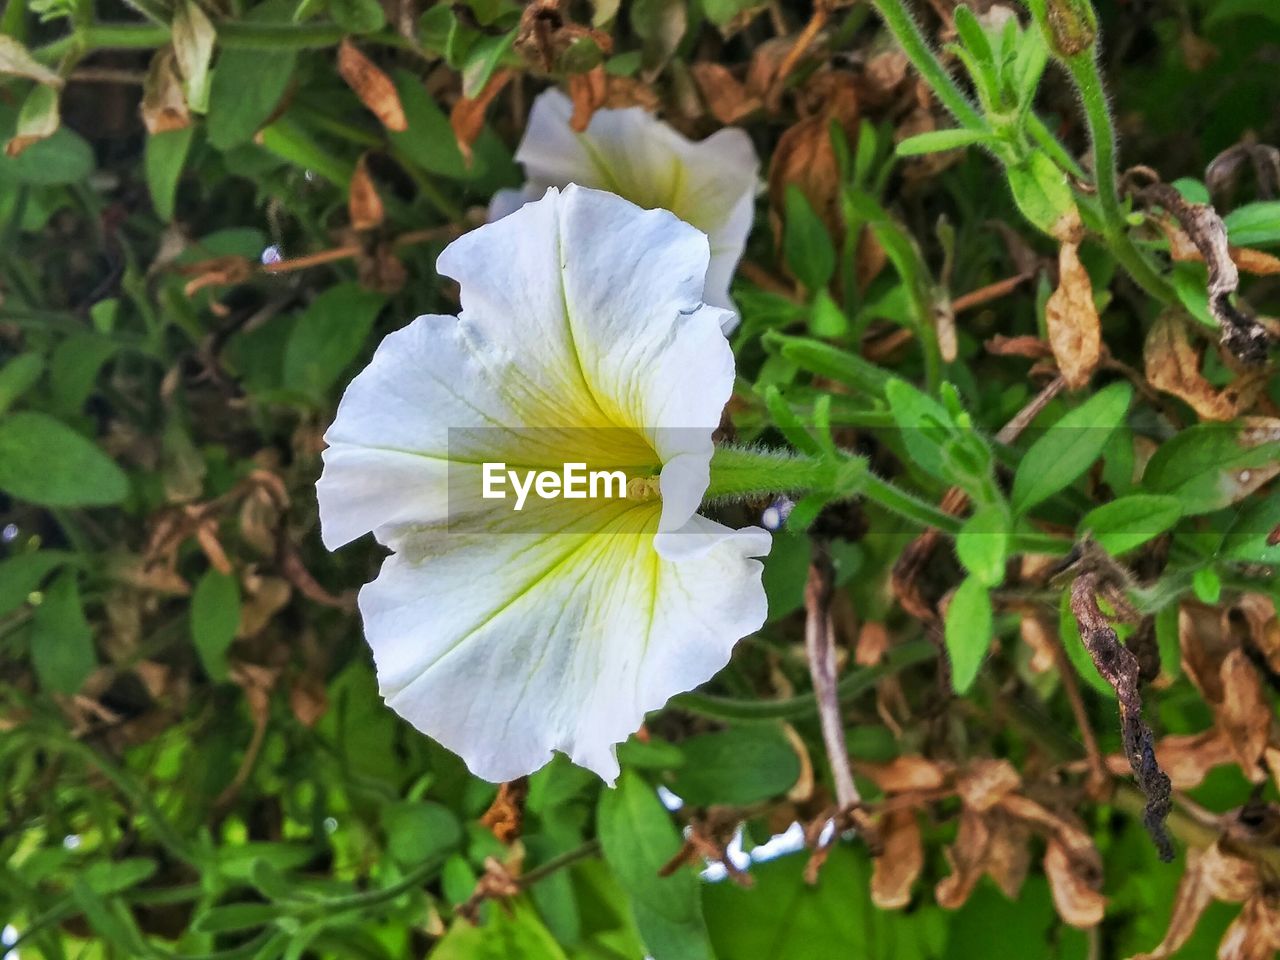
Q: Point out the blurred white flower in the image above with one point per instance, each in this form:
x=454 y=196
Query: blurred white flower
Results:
x=507 y=635
x=710 y=184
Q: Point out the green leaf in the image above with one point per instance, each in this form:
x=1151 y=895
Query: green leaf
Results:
x=358 y=16
x=512 y=933
x=74 y=366
x=739 y=766
x=661 y=24
x=247 y=88
x=1221 y=10
x=828 y=361
x=1209 y=466
x=1069 y=632
x=215 y=616
x=968 y=632
x=429 y=141
x=65 y=157
x=1247 y=540
x=235 y=916
x=923 y=424
x=722 y=12
x=61 y=638
x=827 y=318
x=1207 y=585
x=1041 y=191
x=18 y=376
x=165 y=155
x=328 y=337
x=936 y=141
x=1128 y=522
x=46 y=462
x=21 y=575
x=484 y=57
x=289 y=140
x=638 y=839
x=1069 y=447
x=419 y=830
x=107 y=877
x=1254 y=224
x=983 y=544
x=805 y=242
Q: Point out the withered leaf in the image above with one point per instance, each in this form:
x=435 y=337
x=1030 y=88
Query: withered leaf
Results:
x=467 y=116
x=372 y=86
x=900 y=862
x=1173 y=366
x=164 y=106
x=588 y=92
x=966 y=857
x=1073 y=881
x=907 y=774
x=984 y=783
x=1071 y=318
x=364 y=206
x=1242 y=335
x=724 y=95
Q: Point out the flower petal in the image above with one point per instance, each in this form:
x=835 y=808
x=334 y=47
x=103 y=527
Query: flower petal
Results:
x=710 y=184
x=505 y=648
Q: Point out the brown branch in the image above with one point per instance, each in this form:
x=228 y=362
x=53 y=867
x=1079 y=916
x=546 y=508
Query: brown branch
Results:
x=992 y=291
x=819 y=644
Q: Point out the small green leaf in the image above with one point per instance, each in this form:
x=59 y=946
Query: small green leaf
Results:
x=65 y=157
x=739 y=766
x=1041 y=192
x=215 y=616
x=165 y=155
x=61 y=638
x=983 y=544
x=46 y=462
x=828 y=361
x=417 y=831
x=638 y=839
x=826 y=318
x=21 y=575
x=1254 y=224
x=1207 y=585
x=18 y=376
x=328 y=336
x=247 y=87
x=805 y=242
x=358 y=16
x=235 y=916
x=1069 y=447
x=1128 y=522
x=74 y=366
x=107 y=877
x=968 y=632
x=936 y=141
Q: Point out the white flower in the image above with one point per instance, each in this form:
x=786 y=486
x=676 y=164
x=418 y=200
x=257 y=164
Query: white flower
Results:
x=582 y=337
x=710 y=184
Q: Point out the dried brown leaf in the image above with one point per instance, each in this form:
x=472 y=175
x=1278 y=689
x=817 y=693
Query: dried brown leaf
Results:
x=372 y=86
x=164 y=106
x=984 y=783
x=1245 y=713
x=726 y=98
x=1038 y=634
x=1071 y=319
x=505 y=815
x=588 y=92
x=364 y=206
x=1255 y=933
x=966 y=857
x=907 y=774
x=467 y=116
x=1073 y=881
x=1173 y=366
x=1189 y=904
x=900 y=861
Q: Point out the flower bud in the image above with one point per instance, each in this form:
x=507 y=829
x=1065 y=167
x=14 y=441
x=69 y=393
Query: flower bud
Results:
x=1072 y=26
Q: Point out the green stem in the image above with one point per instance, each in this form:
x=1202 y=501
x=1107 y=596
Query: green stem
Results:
x=1102 y=135
x=904 y=29
x=806 y=704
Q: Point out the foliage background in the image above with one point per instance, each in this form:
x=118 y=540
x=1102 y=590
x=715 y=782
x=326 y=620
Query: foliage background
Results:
x=194 y=758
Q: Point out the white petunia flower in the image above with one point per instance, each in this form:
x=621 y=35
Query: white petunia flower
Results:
x=506 y=635
x=710 y=184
